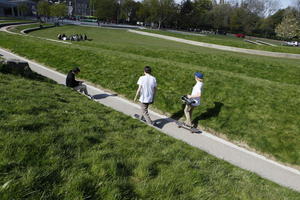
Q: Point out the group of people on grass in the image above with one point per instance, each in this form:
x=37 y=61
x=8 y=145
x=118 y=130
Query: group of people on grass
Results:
x=147 y=87
x=75 y=37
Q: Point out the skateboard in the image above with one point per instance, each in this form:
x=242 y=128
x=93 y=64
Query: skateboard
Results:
x=191 y=129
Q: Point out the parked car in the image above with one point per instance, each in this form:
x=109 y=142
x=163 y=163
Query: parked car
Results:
x=292 y=43
x=240 y=35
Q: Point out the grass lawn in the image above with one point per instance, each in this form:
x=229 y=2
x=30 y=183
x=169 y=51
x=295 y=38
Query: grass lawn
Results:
x=250 y=99
x=14 y=21
x=57 y=144
x=18 y=29
x=229 y=41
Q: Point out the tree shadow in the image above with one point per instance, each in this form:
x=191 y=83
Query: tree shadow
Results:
x=210 y=113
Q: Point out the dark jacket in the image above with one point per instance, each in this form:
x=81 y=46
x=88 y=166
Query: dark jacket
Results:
x=70 y=81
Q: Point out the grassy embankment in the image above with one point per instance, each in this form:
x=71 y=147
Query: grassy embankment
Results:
x=57 y=144
x=18 y=29
x=229 y=41
x=250 y=99
x=14 y=21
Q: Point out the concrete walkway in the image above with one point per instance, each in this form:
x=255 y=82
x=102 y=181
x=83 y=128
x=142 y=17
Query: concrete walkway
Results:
x=213 y=145
x=6 y=29
x=220 y=47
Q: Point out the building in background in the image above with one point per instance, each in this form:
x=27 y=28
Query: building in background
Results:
x=13 y=8
x=75 y=7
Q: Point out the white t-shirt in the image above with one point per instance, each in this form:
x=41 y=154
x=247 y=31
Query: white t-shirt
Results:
x=147 y=83
x=196 y=90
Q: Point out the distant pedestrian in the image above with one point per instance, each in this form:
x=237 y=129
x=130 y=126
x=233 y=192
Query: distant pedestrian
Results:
x=146 y=91
x=194 y=97
x=73 y=83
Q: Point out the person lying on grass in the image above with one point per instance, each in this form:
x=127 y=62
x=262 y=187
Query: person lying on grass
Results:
x=195 y=97
x=146 y=90
x=76 y=85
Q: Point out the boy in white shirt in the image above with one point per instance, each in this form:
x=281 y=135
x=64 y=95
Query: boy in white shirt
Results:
x=195 y=96
x=146 y=90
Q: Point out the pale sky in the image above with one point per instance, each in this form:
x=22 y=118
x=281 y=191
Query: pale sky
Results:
x=284 y=3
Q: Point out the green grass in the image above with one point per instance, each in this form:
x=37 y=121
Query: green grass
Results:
x=57 y=144
x=250 y=99
x=18 y=29
x=14 y=21
x=229 y=41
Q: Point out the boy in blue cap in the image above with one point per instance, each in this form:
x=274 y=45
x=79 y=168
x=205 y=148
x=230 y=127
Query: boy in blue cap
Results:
x=195 y=96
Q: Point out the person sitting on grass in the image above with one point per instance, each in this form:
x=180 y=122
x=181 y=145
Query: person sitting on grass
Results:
x=195 y=97
x=76 y=85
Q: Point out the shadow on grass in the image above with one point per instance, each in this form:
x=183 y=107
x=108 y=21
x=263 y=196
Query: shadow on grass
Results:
x=103 y=96
x=210 y=113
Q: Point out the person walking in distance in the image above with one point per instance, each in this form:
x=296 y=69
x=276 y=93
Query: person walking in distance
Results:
x=76 y=85
x=195 y=97
x=146 y=90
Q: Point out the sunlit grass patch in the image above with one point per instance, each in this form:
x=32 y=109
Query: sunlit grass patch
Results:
x=58 y=144
x=250 y=99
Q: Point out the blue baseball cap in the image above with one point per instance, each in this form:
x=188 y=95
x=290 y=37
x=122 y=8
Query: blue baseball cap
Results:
x=199 y=75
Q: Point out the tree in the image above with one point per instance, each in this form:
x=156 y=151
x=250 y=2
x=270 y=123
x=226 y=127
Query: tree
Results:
x=92 y=4
x=267 y=25
x=58 y=10
x=159 y=11
x=106 y=10
x=296 y=5
x=186 y=12
x=23 y=8
x=289 y=28
x=43 y=8
x=127 y=10
x=237 y=20
x=200 y=10
x=220 y=16
x=261 y=8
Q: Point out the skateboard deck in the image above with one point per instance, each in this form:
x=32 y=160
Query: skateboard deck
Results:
x=191 y=129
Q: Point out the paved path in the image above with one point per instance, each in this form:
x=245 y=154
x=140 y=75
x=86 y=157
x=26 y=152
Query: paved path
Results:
x=6 y=29
x=213 y=145
x=220 y=47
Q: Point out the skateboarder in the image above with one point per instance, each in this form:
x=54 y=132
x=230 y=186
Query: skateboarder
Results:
x=76 y=85
x=146 y=91
x=195 y=97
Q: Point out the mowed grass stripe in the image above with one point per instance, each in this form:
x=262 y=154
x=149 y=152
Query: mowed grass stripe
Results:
x=281 y=70
x=232 y=41
x=57 y=144
x=262 y=113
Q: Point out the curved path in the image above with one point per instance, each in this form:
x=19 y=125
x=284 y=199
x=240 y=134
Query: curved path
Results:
x=220 y=47
x=5 y=29
x=243 y=158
